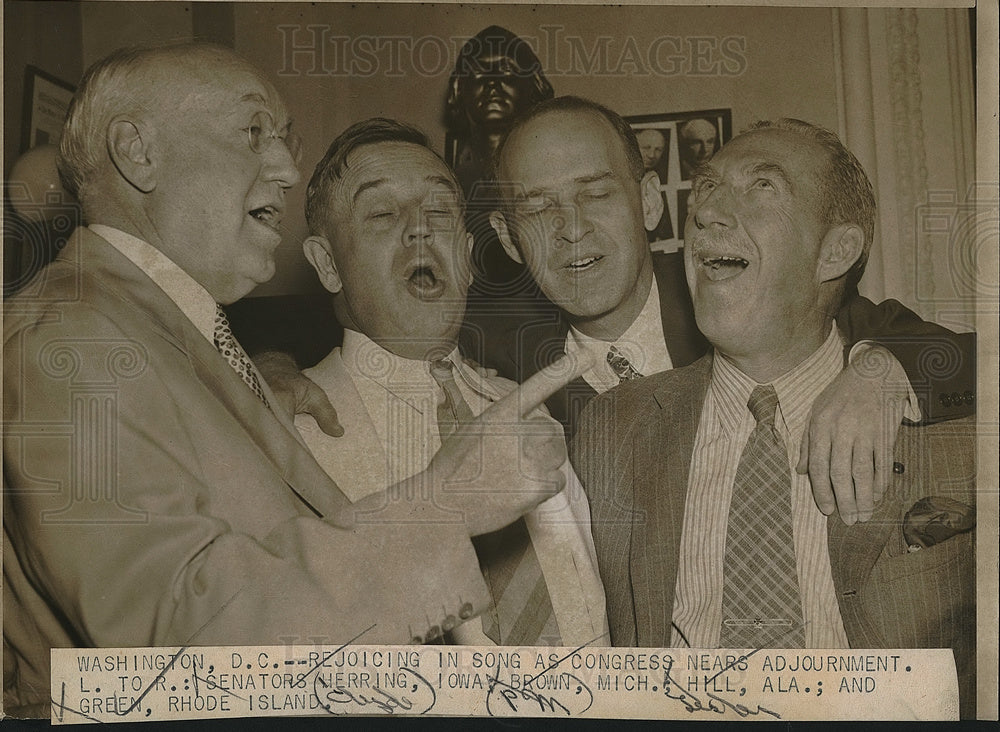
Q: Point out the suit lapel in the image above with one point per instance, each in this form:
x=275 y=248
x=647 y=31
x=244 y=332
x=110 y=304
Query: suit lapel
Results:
x=145 y=301
x=356 y=461
x=662 y=467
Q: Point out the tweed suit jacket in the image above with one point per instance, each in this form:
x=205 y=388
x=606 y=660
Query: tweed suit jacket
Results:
x=633 y=454
x=151 y=499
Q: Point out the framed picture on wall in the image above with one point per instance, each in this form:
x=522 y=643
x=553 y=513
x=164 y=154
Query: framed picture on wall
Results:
x=46 y=101
x=672 y=145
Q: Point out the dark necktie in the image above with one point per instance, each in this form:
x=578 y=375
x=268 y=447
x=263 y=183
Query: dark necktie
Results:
x=233 y=352
x=522 y=613
x=760 y=599
x=622 y=367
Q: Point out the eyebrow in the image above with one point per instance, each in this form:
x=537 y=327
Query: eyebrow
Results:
x=705 y=170
x=434 y=178
x=259 y=99
x=585 y=179
x=772 y=169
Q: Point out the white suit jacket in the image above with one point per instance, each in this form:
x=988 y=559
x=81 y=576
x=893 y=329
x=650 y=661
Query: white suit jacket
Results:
x=559 y=527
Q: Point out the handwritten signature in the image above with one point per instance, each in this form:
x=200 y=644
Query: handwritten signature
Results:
x=692 y=703
x=502 y=698
x=341 y=700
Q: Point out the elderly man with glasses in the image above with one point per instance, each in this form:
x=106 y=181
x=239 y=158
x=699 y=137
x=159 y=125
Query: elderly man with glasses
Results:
x=151 y=494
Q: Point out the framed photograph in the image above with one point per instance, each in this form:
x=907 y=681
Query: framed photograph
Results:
x=672 y=145
x=46 y=101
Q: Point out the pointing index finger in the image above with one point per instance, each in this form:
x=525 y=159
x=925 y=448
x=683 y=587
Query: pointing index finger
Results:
x=534 y=391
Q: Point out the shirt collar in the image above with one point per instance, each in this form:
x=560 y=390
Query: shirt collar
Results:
x=647 y=328
x=365 y=358
x=192 y=299
x=797 y=389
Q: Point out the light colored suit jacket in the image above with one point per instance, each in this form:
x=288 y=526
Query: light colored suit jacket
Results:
x=633 y=454
x=559 y=527
x=151 y=499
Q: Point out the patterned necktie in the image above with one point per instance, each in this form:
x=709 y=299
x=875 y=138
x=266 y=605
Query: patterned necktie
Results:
x=622 y=367
x=521 y=614
x=233 y=352
x=760 y=598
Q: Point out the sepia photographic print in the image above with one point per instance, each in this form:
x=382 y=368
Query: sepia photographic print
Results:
x=535 y=361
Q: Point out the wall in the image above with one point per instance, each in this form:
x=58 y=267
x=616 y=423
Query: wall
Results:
x=758 y=62
x=43 y=34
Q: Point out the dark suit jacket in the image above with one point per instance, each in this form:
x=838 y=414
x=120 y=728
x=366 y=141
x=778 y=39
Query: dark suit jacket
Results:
x=519 y=337
x=633 y=454
x=151 y=499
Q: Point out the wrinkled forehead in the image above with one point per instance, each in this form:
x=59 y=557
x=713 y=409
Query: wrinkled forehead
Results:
x=404 y=167
x=560 y=139
x=800 y=159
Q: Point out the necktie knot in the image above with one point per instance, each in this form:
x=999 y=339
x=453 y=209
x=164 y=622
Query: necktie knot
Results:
x=622 y=367
x=763 y=403
x=453 y=409
x=441 y=371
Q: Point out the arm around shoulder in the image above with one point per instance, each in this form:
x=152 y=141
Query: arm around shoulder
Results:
x=940 y=364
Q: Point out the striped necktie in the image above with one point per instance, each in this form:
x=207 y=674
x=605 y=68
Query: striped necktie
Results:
x=760 y=597
x=234 y=354
x=521 y=614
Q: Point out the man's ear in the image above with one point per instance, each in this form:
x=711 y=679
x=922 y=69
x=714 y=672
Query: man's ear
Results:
x=652 y=201
x=499 y=224
x=320 y=255
x=128 y=146
x=840 y=249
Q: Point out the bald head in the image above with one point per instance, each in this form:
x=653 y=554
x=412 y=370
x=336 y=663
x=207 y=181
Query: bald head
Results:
x=698 y=139
x=138 y=83
x=189 y=148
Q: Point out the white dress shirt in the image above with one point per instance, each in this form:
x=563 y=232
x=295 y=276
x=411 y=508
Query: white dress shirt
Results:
x=723 y=430
x=642 y=344
x=192 y=299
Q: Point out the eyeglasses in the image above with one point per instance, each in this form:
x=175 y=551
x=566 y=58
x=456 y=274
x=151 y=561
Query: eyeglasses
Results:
x=261 y=135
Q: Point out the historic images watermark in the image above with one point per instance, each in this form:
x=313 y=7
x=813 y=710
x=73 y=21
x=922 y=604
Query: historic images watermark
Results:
x=318 y=50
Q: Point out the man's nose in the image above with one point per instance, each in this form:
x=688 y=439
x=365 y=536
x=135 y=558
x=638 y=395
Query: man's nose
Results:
x=280 y=165
x=418 y=228
x=715 y=208
x=569 y=224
